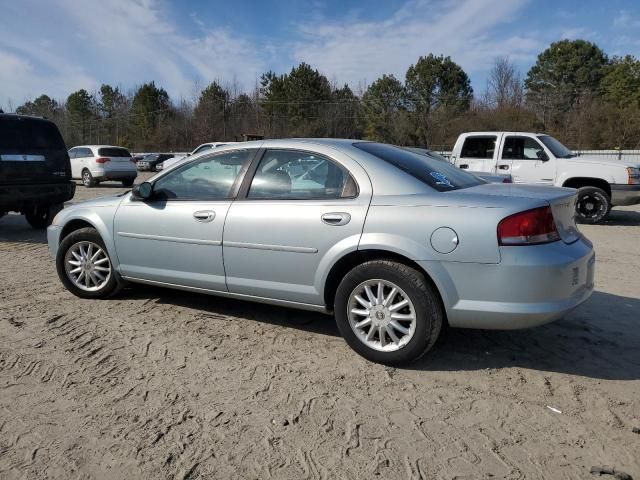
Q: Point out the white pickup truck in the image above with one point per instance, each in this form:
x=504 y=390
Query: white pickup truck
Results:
x=541 y=159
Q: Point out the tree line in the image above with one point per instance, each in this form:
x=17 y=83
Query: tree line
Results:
x=574 y=91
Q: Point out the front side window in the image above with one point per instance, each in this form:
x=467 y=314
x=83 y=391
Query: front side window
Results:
x=439 y=175
x=522 y=148
x=290 y=174
x=479 y=147
x=210 y=178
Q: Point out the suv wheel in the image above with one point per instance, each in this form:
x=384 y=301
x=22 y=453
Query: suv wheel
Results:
x=128 y=182
x=388 y=312
x=593 y=205
x=84 y=266
x=87 y=179
x=42 y=216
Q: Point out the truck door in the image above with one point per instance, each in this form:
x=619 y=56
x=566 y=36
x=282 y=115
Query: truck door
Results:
x=527 y=161
x=478 y=153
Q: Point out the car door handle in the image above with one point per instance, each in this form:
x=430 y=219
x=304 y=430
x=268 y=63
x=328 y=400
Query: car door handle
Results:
x=204 y=215
x=464 y=166
x=336 y=218
x=503 y=167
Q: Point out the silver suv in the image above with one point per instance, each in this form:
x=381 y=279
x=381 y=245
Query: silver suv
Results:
x=391 y=242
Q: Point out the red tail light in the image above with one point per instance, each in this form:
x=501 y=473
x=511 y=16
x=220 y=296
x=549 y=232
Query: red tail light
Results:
x=531 y=227
x=102 y=160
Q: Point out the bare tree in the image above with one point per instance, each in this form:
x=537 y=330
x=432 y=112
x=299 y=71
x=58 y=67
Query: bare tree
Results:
x=504 y=86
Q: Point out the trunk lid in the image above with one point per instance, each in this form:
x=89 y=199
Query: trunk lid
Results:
x=561 y=200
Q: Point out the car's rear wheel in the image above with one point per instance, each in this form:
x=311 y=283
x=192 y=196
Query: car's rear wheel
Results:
x=87 y=179
x=593 y=205
x=84 y=266
x=388 y=312
x=128 y=182
x=41 y=217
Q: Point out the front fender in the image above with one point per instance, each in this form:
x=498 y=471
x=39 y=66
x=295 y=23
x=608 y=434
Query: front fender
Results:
x=102 y=222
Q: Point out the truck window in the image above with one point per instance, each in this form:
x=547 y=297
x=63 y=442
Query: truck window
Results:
x=479 y=147
x=522 y=148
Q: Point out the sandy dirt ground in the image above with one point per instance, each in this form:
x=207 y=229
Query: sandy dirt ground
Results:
x=164 y=384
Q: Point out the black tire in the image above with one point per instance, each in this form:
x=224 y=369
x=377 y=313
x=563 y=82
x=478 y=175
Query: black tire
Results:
x=110 y=288
x=87 y=179
x=128 y=182
x=41 y=217
x=593 y=205
x=425 y=299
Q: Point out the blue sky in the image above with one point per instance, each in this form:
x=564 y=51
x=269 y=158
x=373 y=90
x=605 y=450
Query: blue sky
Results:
x=57 y=46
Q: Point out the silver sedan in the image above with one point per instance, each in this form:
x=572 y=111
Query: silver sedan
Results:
x=393 y=243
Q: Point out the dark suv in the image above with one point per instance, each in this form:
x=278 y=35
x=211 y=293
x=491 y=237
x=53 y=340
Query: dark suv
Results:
x=35 y=173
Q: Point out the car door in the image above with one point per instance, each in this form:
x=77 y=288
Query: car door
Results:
x=176 y=236
x=477 y=153
x=529 y=162
x=84 y=159
x=294 y=214
x=75 y=170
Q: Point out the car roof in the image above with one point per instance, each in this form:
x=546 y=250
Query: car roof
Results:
x=30 y=117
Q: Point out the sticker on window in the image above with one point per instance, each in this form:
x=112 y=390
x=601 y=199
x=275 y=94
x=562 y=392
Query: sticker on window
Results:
x=441 y=179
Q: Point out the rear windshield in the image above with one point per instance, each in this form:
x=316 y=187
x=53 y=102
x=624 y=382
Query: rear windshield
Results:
x=439 y=175
x=19 y=134
x=113 y=152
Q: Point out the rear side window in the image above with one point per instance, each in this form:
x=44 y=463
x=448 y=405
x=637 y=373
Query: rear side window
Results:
x=479 y=147
x=113 y=152
x=296 y=175
x=439 y=175
x=18 y=134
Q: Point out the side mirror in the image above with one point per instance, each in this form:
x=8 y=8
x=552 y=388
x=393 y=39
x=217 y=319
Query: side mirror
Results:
x=542 y=155
x=142 y=191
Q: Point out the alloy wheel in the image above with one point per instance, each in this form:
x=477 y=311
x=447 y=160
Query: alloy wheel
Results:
x=87 y=266
x=381 y=315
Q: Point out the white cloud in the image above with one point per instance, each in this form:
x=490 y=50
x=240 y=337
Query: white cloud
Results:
x=463 y=29
x=122 y=42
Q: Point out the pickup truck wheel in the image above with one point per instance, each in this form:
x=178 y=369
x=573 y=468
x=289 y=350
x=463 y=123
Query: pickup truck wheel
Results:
x=593 y=205
x=41 y=217
x=84 y=266
x=388 y=312
x=87 y=179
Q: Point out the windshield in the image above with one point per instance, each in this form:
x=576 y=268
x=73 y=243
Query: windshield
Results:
x=439 y=175
x=558 y=149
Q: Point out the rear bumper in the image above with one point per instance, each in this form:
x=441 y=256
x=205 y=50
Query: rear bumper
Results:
x=530 y=286
x=622 y=195
x=17 y=197
x=108 y=174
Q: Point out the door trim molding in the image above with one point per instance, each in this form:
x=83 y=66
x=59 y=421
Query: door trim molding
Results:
x=161 y=238
x=276 y=248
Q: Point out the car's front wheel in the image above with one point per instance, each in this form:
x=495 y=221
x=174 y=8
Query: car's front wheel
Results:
x=388 y=312
x=84 y=266
x=128 y=182
x=593 y=205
